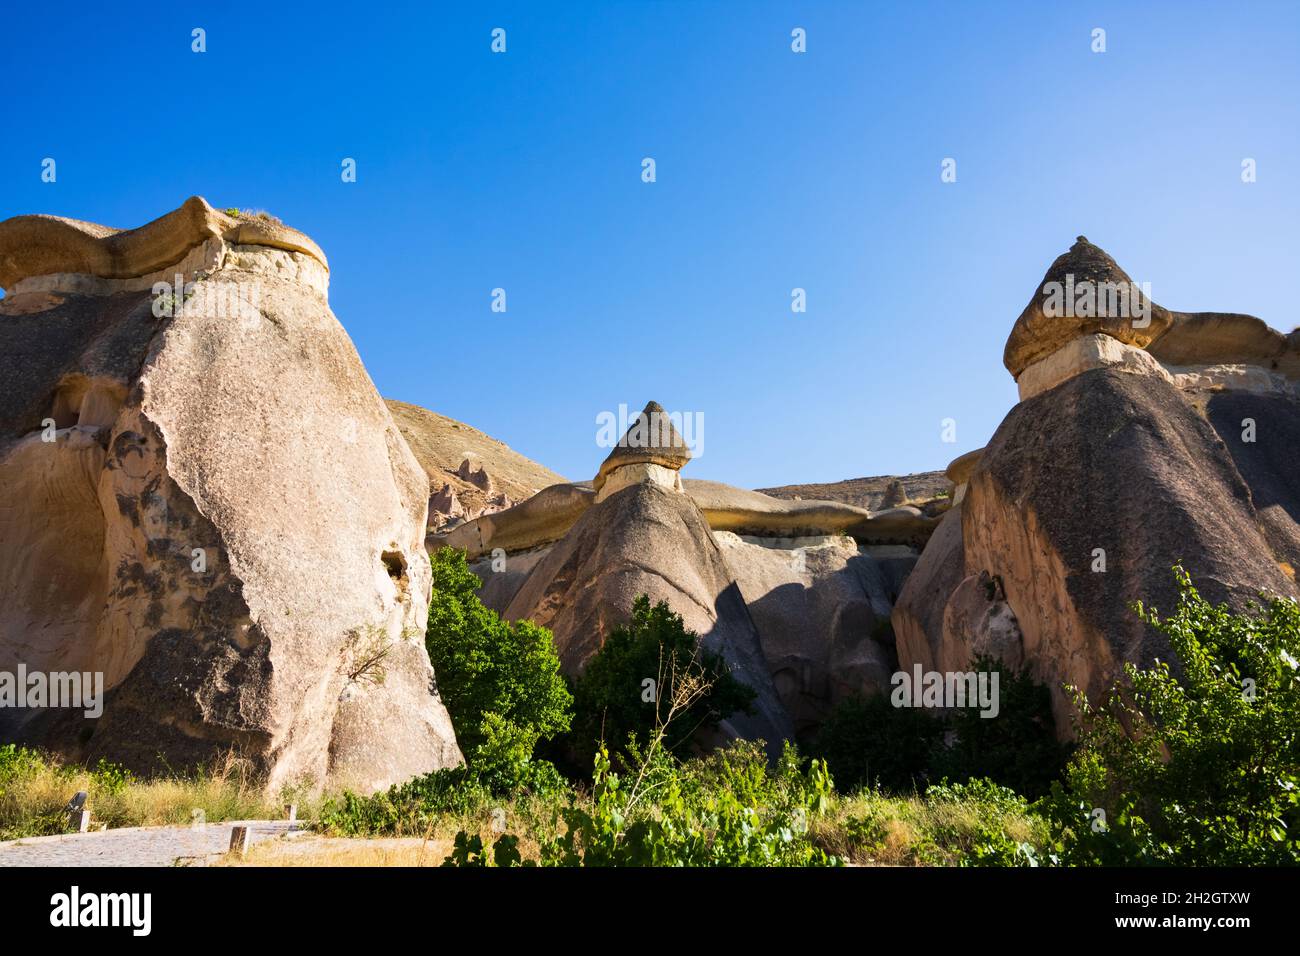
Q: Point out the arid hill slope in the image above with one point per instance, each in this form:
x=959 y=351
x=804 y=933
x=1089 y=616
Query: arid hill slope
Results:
x=866 y=492
x=442 y=444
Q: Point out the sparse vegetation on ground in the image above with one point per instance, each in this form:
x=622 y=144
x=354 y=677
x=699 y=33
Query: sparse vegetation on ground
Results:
x=1196 y=766
x=35 y=789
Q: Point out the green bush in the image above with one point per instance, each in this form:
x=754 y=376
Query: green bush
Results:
x=726 y=810
x=1017 y=748
x=867 y=742
x=499 y=680
x=991 y=805
x=1201 y=767
x=613 y=701
x=407 y=809
x=15 y=761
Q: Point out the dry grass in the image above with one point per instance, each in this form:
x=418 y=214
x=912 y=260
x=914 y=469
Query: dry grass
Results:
x=235 y=212
x=35 y=790
x=254 y=214
x=343 y=851
x=867 y=829
x=871 y=829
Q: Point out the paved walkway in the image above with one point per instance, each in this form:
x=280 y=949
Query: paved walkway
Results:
x=139 y=846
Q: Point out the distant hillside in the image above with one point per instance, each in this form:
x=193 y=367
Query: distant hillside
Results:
x=866 y=492
x=442 y=445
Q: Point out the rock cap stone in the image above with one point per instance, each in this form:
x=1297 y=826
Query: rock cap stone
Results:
x=959 y=469
x=1052 y=318
x=39 y=245
x=651 y=439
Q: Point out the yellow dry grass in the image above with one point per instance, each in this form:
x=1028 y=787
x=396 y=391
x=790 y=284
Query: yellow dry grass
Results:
x=32 y=800
x=344 y=851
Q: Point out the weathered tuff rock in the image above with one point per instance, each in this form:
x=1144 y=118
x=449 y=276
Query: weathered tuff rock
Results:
x=452 y=452
x=895 y=495
x=1124 y=464
x=1220 y=338
x=548 y=516
x=868 y=493
x=821 y=608
x=170 y=535
x=1082 y=354
x=797 y=606
x=642 y=535
x=648 y=539
x=653 y=442
x=542 y=519
x=1173 y=338
x=1113 y=468
x=445 y=502
x=1041 y=329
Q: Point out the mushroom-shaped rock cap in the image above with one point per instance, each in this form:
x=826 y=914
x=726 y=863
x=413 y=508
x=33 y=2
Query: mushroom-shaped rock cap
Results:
x=44 y=245
x=651 y=439
x=1083 y=292
x=959 y=469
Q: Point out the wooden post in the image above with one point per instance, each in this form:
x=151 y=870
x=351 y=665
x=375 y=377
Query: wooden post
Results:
x=239 y=840
x=76 y=810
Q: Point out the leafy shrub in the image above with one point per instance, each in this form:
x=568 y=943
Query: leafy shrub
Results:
x=613 y=702
x=410 y=808
x=1199 y=768
x=726 y=809
x=729 y=810
x=987 y=843
x=1017 y=748
x=16 y=761
x=867 y=742
x=500 y=681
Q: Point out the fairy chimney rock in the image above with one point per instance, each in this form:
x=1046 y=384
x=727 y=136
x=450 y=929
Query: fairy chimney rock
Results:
x=652 y=450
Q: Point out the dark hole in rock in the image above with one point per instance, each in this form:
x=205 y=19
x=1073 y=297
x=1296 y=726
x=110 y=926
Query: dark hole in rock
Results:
x=395 y=564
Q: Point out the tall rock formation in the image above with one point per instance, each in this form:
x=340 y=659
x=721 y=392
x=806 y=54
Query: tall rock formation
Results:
x=203 y=498
x=795 y=594
x=643 y=535
x=1116 y=464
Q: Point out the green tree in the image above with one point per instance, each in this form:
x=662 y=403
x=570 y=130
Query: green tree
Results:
x=642 y=668
x=1198 y=767
x=1017 y=748
x=499 y=680
x=868 y=742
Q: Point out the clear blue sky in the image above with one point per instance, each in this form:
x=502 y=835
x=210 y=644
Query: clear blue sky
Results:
x=775 y=170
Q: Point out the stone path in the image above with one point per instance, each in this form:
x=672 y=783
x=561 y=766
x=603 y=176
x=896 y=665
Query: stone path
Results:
x=139 y=846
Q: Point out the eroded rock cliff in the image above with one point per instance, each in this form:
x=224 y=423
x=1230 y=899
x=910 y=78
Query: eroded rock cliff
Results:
x=203 y=497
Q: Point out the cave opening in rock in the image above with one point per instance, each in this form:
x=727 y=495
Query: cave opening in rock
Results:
x=395 y=564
